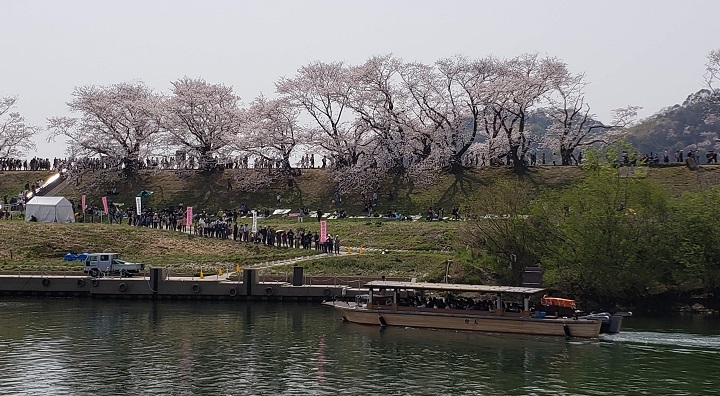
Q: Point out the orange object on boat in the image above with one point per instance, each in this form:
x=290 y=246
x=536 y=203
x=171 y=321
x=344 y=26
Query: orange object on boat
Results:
x=560 y=302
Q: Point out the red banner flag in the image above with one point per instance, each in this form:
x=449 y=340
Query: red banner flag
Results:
x=323 y=231
x=105 y=206
x=82 y=203
x=188 y=219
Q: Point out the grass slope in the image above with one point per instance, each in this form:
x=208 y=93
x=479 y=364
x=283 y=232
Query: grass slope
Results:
x=45 y=244
x=11 y=183
x=314 y=189
x=41 y=246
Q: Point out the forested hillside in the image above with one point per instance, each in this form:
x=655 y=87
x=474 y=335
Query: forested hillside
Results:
x=692 y=125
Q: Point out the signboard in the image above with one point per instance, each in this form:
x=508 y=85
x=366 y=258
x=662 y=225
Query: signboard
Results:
x=105 y=205
x=323 y=231
x=188 y=213
x=138 y=205
x=254 y=226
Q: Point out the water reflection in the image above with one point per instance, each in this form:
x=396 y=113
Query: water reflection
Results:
x=89 y=347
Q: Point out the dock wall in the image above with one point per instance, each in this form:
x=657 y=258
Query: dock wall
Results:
x=158 y=285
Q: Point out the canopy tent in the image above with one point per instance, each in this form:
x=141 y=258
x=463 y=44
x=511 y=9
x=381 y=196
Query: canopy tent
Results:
x=49 y=210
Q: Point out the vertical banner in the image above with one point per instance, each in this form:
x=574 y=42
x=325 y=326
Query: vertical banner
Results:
x=188 y=218
x=323 y=231
x=105 y=207
x=138 y=205
x=254 y=226
x=82 y=203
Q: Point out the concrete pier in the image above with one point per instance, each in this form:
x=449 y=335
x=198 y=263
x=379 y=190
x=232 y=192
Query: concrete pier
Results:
x=158 y=285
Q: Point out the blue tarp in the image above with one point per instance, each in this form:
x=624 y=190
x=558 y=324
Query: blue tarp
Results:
x=74 y=257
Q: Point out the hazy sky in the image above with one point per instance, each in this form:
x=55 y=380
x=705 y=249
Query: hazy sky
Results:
x=645 y=53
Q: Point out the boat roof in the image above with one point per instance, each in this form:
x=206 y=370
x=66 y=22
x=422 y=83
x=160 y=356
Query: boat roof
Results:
x=454 y=287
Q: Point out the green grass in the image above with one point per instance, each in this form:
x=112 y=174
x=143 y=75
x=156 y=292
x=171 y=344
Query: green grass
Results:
x=378 y=233
x=419 y=264
x=45 y=244
x=424 y=266
x=426 y=249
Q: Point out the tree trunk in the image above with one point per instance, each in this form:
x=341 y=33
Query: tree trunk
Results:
x=131 y=166
x=518 y=165
x=566 y=156
x=455 y=164
x=206 y=160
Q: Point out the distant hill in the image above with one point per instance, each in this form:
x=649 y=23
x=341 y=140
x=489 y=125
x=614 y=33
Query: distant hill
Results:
x=681 y=127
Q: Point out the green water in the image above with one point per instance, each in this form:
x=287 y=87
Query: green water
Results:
x=94 y=347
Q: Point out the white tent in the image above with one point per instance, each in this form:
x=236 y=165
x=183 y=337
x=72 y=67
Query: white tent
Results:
x=50 y=209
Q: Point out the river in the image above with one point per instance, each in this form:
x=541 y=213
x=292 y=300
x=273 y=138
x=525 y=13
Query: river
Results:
x=54 y=346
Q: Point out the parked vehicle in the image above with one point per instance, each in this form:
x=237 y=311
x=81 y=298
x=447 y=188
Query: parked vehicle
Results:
x=101 y=264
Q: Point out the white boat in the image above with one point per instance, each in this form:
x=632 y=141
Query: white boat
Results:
x=485 y=308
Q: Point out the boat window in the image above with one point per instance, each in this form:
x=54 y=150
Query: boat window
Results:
x=449 y=301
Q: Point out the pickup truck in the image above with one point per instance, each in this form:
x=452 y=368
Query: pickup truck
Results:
x=99 y=264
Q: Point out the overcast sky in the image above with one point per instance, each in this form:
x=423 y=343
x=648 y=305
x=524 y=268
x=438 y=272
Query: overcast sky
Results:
x=646 y=53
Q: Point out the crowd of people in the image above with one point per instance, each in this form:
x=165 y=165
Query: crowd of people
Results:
x=183 y=160
x=17 y=164
x=17 y=202
x=225 y=225
x=454 y=302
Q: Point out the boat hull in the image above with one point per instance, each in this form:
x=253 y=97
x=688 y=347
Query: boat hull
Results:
x=465 y=321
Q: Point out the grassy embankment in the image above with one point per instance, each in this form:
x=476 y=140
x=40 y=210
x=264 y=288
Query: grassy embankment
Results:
x=41 y=246
x=425 y=247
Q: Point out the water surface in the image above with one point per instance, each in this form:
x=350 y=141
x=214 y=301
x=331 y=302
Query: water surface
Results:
x=91 y=347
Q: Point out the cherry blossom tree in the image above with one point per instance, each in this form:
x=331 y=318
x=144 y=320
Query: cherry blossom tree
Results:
x=322 y=91
x=712 y=69
x=16 y=136
x=202 y=119
x=272 y=130
x=378 y=99
x=573 y=125
x=712 y=76
x=448 y=105
x=446 y=102
x=471 y=91
x=522 y=84
x=119 y=121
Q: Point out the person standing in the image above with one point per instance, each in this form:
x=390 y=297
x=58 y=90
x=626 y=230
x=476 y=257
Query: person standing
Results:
x=328 y=245
x=291 y=238
x=336 y=243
